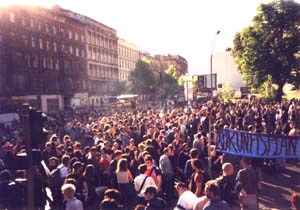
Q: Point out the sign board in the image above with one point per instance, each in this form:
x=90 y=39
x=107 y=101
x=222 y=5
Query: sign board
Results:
x=207 y=82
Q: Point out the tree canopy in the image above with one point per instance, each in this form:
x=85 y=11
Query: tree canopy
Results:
x=142 y=78
x=269 y=48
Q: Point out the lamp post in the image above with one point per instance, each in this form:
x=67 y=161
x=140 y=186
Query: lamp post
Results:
x=210 y=116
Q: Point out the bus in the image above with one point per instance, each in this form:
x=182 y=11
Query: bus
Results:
x=127 y=100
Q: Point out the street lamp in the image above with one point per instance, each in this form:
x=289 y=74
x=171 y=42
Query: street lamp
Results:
x=211 y=97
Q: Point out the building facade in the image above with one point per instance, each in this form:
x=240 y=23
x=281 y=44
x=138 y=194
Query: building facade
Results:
x=177 y=61
x=128 y=55
x=223 y=65
x=44 y=56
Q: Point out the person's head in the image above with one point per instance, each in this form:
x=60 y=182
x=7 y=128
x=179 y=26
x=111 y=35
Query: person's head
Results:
x=77 y=166
x=118 y=154
x=150 y=192
x=122 y=165
x=112 y=193
x=197 y=164
x=167 y=151
x=5 y=176
x=140 y=207
x=180 y=187
x=109 y=204
x=194 y=153
x=228 y=169
x=142 y=168
x=148 y=161
x=211 y=189
x=89 y=171
x=65 y=160
x=246 y=162
x=295 y=201
x=68 y=191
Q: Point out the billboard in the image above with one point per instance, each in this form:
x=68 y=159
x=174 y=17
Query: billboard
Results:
x=207 y=82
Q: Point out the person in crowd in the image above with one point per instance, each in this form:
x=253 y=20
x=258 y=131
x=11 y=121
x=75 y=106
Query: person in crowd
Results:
x=154 y=172
x=295 y=201
x=188 y=169
x=186 y=198
x=72 y=203
x=91 y=183
x=153 y=201
x=125 y=182
x=247 y=177
x=113 y=166
x=76 y=174
x=141 y=182
x=214 y=202
x=167 y=171
x=197 y=179
x=229 y=187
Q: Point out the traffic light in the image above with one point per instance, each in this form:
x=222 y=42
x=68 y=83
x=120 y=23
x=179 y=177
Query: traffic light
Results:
x=37 y=132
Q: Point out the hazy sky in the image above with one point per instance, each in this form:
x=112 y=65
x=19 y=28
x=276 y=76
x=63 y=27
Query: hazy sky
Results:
x=183 y=27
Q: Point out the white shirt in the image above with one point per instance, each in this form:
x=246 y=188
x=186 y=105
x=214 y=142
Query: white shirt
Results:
x=138 y=181
x=186 y=200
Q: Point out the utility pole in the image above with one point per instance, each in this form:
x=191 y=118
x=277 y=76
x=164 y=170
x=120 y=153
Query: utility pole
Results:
x=25 y=117
x=210 y=115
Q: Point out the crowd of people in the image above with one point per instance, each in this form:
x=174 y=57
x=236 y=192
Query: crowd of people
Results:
x=143 y=158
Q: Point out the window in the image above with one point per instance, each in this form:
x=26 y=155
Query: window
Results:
x=71 y=49
x=47 y=45
x=77 y=51
x=12 y=17
x=41 y=43
x=76 y=36
x=47 y=28
x=39 y=26
x=70 y=34
x=56 y=64
x=82 y=53
x=54 y=30
x=62 y=47
x=50 y=63
x=54 y=47
x=31 y=23
x=35 y=61
x=82 y=38
x=27 y=61
x=23 y=21
x=25 y=40
x=13 y=35
x=44 y=62
x=32 y=42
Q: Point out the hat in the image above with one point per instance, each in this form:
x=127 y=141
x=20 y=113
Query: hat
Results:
x=151 y=189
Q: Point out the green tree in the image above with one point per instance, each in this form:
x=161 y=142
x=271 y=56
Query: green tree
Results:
x=226 y=93
x=120 y=88
x=142 y=78
x=269 y=47
x=170 y=82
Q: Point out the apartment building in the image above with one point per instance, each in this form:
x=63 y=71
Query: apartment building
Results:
x=128 y=55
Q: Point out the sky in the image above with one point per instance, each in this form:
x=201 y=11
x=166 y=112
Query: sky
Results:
x=178 y=27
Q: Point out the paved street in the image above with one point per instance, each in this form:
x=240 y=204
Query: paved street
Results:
x=278 y=187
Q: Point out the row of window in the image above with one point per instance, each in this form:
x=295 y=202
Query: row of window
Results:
x=98 y=71
x=101 y=41
x=124 y=64
x=101 y=56
x=52 y=29
x=21 y=82
x=128 y=53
